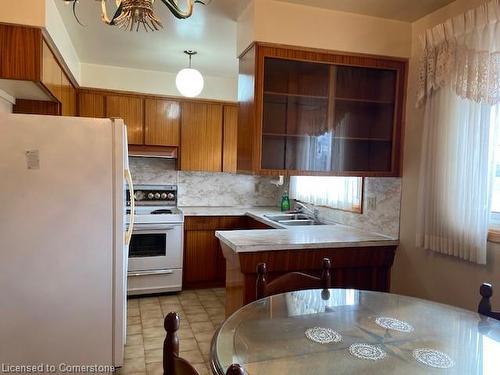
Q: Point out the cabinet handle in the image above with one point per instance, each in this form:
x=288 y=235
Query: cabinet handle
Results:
x=149 y=273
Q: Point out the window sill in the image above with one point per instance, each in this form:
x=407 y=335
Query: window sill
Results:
x=494 y=235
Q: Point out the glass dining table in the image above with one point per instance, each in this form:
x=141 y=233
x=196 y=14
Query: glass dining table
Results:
x=346 y=331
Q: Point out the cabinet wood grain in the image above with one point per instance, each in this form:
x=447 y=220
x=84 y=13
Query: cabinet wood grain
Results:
x=36 y=107
x=201 y=137
x=21 y=52
x=131 y=110
x=51 y=72
x=230 y=139
x=91 y=104
x=162 y=122
x=68 y=97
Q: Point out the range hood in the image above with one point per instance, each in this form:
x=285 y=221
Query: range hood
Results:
x=163 y=152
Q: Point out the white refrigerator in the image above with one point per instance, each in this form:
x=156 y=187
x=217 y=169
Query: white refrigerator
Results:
x=63 y=240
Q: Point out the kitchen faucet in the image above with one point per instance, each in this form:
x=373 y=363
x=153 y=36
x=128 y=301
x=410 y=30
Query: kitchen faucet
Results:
x=301 y=207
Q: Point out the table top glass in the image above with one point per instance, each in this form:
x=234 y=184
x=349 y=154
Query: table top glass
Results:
x=268 y=337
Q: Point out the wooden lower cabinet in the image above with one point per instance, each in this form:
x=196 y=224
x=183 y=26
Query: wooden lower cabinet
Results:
x=204 y=263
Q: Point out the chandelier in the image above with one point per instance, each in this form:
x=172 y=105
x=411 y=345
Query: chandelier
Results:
x=132 y=14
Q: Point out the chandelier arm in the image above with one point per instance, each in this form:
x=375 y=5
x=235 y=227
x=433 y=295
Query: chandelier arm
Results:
x=74 y=13
x=177 y=11
x=104 y=12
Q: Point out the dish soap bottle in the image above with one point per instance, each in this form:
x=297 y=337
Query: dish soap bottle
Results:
x=285 y=202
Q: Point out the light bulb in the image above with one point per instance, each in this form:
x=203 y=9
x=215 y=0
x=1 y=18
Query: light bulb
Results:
x=189 y=82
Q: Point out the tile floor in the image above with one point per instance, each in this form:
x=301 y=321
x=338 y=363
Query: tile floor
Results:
x=201 y=312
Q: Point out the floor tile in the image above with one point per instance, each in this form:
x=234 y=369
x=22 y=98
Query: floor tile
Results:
x=200 y=312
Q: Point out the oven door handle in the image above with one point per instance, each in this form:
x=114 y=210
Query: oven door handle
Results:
x=148 y=227
x=149 y=273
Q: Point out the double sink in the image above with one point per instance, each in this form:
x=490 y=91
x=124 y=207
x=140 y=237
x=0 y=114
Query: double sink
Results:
x=293 y=219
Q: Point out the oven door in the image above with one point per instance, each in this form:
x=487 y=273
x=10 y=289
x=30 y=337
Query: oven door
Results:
x=156 y=247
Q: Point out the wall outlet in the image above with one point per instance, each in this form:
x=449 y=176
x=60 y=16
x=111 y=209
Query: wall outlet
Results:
x=372 y=203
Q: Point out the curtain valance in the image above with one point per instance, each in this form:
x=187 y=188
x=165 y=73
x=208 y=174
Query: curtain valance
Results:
x=464 y=54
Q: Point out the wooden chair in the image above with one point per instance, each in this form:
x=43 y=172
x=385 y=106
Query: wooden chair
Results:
x=484 y=307
x=291 y=281
x=172 y=363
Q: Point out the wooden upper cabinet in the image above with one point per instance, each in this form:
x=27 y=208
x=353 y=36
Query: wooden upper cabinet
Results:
x=162 y=122
x=51 y=73
x=20 y=52
x=131 y=110
x=230 y=139
x=201 y=137
x=319 y=113
x=68 y=97
x=91 y=104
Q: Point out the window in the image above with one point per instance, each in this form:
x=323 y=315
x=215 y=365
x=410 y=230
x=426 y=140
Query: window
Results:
x=495 y=198
x=343 y=193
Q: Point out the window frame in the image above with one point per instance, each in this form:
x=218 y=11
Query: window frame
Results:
x=356 y=209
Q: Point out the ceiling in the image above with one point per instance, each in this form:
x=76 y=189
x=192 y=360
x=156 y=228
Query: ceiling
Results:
x=211 y=31
x=401 y=10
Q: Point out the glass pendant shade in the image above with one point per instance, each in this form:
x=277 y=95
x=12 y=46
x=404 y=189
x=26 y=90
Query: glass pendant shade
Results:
x=189 y=81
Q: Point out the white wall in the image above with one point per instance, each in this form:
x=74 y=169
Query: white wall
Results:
x=418 y=272
x=23 y=12
x=152 y=82
x=301 y=25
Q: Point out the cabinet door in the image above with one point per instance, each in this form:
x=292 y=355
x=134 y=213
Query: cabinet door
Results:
x=51 y=72
x=68 y=97
x=230 y=139
x=130 y=109
x=201 y=137
x=201 y=249
x=162 y=123
x=91 y=105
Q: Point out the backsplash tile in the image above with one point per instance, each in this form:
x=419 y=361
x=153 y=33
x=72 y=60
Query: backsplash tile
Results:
x=206 y=189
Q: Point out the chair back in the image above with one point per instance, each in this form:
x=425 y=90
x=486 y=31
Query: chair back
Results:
x=291 y=281
x=172 y=364
x=484 y=307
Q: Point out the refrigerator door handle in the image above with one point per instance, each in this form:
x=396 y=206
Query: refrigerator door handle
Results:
x=128 y=234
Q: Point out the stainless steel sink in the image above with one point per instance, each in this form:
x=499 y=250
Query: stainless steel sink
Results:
x=293 y=219
x=287 y=217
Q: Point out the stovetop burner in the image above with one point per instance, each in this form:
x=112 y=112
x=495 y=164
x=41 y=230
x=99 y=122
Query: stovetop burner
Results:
x=161 y=212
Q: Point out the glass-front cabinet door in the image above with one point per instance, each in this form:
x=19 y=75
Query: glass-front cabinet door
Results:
x=327 y=118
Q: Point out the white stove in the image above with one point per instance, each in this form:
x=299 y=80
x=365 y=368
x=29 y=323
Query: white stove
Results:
x=156 y=246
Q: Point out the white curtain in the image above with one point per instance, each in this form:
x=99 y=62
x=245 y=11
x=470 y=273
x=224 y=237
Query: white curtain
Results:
x=337 y=192
x=459 y=84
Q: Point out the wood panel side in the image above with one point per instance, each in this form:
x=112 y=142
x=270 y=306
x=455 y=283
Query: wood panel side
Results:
x=52 y=75
x=230 y=139
x=246 y=112
x=131 y=110
x=162 y=122
x=21 y=52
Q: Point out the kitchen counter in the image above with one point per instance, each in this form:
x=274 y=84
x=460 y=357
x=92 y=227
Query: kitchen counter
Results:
x=298 y=237
x=360 y=259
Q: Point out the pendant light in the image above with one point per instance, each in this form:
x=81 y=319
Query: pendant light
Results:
x=189 y=81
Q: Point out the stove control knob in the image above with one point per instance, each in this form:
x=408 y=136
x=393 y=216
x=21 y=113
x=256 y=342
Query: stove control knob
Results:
x=170 y=196
x=151 y=196
x=139 y=195
x=157 y=195
x=163 y=196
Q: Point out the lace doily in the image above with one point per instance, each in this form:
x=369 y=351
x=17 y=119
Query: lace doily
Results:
x=367 y=351
x=394 y=324
x=323 y=335
x=433 y=358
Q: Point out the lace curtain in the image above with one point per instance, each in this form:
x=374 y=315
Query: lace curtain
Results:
x=459 y=84
x=464 y=54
